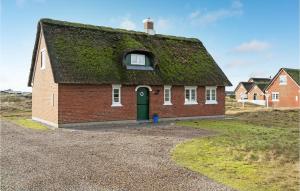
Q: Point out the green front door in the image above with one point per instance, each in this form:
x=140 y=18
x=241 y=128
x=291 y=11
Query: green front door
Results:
x=142 y=104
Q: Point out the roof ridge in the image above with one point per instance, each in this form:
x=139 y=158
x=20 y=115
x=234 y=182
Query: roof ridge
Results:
x=291 y=69
x=114 y=30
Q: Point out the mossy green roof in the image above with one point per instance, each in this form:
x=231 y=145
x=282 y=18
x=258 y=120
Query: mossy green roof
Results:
x=88 y=54
x=262 y=86
x=294 y=73
x=248 y=85
x=260 y=80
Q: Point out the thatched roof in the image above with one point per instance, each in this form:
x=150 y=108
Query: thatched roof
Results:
x=87 y=54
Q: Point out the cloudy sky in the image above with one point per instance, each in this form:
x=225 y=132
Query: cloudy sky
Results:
x=246 y=38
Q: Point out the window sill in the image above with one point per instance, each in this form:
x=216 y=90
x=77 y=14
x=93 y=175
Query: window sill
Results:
x=116 y=105
x=275 y=100
x=283 y=84
x=211 y=102
x=167 y=103
x=190 y=103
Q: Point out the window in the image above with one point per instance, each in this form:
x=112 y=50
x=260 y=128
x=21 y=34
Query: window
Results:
x=116 y=95
x=211 y=95
x=43 y=59
x=190 y=95
x=167 y=95
x=255 y=96
x=137 y=59
x=243 y=96
x=275 y=96
x=282 y=80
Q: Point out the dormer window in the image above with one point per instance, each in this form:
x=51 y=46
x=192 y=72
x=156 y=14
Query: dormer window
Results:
x=138 y=59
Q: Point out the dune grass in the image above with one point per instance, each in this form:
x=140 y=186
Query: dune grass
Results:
x=244 y=155
x=28 y=123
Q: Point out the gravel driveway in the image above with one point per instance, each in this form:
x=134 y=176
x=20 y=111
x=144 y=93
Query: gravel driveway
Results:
x=135 y=158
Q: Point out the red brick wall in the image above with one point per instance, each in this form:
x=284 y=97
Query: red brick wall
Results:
x=287 y=93
x=88 y=103
x=178 y=109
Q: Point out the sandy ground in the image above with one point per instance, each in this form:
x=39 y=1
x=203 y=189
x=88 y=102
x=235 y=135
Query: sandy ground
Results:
x=134 y=158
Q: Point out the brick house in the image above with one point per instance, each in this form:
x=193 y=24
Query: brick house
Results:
x=83 y=74
x=284 y=89
x=252 y=91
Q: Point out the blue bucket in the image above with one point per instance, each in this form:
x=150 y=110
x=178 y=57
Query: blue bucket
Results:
x=155 y=118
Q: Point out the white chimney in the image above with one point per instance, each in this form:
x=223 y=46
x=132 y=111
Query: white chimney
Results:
x=149 y=26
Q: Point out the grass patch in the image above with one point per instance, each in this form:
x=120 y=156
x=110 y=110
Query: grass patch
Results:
x=28 y=123
x=245 y=155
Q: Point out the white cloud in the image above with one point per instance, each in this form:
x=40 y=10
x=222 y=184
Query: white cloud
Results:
x=163 y=25
x=236 y=4
x=253 y=46
x=208 y=17
x=194 y=14
x=128 y=24
x=239 y=63
x=20 y=3
x=259 y=74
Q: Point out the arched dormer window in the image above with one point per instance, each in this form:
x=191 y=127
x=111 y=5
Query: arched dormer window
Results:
x=138 y=60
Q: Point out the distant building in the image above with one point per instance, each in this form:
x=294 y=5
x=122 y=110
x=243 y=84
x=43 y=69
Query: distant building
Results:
x=284 y=89
x=252 y=91
x=230 y=93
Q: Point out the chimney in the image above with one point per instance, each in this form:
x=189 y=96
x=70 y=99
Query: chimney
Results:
x=149 y=26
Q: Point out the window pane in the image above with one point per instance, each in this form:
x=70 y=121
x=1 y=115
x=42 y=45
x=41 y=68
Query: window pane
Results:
x=116 y=91
x=167 y=95
x=282 y=80
x=208 y=94
x=133 y=58
x=193 y=95
x=116 y=99
x=213 y=94
x=116 y=95
x=141 y=59
x=137 y=59
x=187 y=95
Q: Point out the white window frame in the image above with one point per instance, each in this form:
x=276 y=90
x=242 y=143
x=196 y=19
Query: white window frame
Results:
x=282 y=82
x=274 y=96
x=167 y=102
x=140 y=59
x=43 y=59
x=116 y=103
x=211 y=101
x=189 y=101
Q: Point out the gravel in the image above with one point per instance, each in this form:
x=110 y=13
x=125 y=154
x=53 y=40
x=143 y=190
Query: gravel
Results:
x=109 y=159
